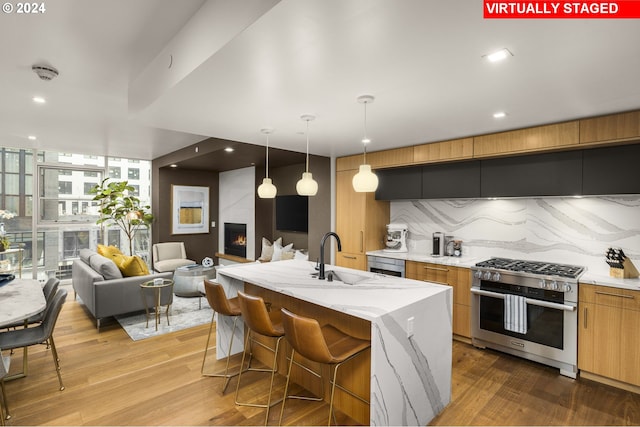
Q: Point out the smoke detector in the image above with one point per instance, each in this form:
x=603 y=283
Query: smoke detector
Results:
x=45 y=72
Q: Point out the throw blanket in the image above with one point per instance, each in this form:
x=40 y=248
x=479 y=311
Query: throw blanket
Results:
x=515 y=313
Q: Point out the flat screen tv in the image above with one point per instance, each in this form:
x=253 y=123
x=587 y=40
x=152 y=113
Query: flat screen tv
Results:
x=292 y=213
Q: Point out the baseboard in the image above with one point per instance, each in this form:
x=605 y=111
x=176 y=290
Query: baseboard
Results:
x=609 y=381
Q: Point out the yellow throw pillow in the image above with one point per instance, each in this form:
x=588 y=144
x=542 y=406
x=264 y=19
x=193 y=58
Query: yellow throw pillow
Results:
x=108 y=251
x=131 y=265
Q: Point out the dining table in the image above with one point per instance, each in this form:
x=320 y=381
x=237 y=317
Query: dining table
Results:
x=20 y=299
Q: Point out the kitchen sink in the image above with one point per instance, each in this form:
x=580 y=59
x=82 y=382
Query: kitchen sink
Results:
x=346 y=278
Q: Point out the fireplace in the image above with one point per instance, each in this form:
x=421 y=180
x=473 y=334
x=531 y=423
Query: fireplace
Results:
x=235 y=239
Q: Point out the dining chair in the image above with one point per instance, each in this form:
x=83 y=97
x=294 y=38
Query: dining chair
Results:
x=326 y=345
x=261 y=322
x=41 y=334
x=223 y=306
x=5 y=361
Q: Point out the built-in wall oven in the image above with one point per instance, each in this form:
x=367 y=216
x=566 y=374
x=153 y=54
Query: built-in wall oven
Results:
x=528 y=309
x=384 y=265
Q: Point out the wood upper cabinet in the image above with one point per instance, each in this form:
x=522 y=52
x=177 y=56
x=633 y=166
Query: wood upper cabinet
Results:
x=611 y=128
x=377 y=159
x=360 y=222
x=457 y=277
x=455 y=149
x=608 y=339
x=538 y=138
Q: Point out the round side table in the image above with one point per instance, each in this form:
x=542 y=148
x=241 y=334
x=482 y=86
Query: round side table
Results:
x=157 y=286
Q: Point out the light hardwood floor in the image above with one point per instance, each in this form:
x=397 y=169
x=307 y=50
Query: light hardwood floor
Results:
x=112 y=380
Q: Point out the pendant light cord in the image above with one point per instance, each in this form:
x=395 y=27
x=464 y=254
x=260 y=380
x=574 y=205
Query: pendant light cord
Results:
x=364 y=157
x=267 y=171
x=307 y=145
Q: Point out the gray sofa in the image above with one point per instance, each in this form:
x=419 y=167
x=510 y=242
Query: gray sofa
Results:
x=101 y=287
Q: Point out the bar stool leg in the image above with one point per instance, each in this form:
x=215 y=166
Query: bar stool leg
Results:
x=226 y=375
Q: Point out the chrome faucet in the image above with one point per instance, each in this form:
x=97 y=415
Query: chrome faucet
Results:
x=324 y=238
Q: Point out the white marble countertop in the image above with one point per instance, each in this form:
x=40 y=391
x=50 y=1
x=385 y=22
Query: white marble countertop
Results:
x=373 y=296
x=468 y=262
x=462 y=261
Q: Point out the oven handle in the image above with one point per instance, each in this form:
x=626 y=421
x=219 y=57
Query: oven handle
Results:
x=528 y=300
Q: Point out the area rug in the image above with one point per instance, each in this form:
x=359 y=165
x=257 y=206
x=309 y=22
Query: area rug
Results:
x=184 y=313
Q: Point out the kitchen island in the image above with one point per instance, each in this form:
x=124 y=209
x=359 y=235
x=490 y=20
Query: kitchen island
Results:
x=408 y=376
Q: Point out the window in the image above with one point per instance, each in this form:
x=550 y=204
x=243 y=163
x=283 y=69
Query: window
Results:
x=91 y=173
x=88 y=186
x=114 y=172
x=65 y=187
x=136 y=190
x=64 y=172
x=134 y=173
x=73 y=241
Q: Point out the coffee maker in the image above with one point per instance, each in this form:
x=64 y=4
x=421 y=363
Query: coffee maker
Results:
x=438 y=244
x=396 y=239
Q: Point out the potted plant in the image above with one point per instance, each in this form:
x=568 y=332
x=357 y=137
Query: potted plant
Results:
x=118 y=206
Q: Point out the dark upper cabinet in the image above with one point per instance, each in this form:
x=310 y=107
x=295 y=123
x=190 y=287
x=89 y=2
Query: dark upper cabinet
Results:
x=451 y=180
x=552 y=174
x=612 y=170
x=397 y=184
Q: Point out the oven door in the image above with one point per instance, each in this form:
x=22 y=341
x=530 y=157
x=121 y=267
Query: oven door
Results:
x=551 y=335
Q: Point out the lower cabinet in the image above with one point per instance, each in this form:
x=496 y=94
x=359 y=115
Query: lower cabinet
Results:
x=349 y=260
x=608 y=339
x=457 y=277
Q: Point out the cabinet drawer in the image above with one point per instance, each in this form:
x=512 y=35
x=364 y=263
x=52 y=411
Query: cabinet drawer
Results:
x=351 y=260
x=611 y=297
x=427 y=272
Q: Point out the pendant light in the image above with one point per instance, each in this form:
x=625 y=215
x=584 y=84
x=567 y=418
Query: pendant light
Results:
x=365 y=181
x=306 y=186
x=267 y=190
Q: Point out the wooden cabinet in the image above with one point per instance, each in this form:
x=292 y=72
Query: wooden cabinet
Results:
x=377 y=159
x=608 y=339
x=360 y=222
x=456 y=149
x=549 y=137
x=457 y=277
x=612 y=128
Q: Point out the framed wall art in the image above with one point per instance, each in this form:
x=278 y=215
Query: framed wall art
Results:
x=189 y=209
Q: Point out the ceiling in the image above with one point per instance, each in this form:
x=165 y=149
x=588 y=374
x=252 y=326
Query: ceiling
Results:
x=149 y=77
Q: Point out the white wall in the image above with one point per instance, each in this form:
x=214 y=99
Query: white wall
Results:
x=236 y=203
x=563 y=229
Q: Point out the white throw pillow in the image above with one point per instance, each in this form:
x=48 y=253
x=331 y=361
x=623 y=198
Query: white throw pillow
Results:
x=278 y=249
x=301 y=255
x=267 y=248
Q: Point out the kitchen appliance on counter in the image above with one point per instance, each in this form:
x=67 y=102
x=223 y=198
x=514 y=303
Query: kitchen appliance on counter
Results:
x=384 y=265
x=396 y=239
x=546 y=328
x=438 y=244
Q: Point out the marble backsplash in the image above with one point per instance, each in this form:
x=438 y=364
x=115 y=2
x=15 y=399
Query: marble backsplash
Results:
x=566 y=230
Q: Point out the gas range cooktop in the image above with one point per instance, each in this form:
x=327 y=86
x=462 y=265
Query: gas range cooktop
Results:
x=533 y=267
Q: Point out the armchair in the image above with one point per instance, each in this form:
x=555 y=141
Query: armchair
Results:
x=169 y=256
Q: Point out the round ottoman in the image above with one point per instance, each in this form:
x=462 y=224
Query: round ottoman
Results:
x=188 y=281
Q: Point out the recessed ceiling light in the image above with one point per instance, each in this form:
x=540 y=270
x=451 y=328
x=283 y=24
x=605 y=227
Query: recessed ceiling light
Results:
x=498 y=55
x=228 y=150
x=39 y=100
x=173 y=165
x=32 y=137
x=499 y=115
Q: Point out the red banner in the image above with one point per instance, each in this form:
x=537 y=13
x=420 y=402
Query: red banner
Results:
x=622 y=9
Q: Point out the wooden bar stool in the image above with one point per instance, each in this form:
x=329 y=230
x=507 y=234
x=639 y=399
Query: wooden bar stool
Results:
x=259 y=321
x=227 y=307
x=325 y=344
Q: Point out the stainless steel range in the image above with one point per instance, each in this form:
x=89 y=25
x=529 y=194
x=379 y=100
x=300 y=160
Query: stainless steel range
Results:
x=528 y=309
